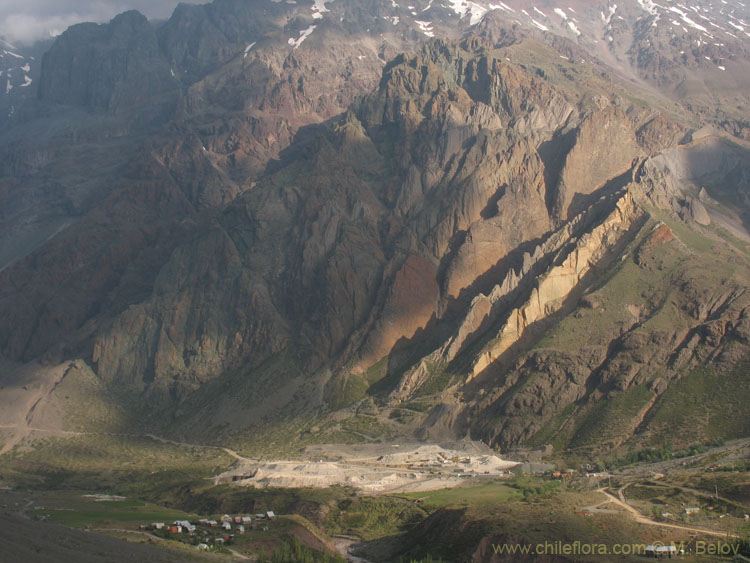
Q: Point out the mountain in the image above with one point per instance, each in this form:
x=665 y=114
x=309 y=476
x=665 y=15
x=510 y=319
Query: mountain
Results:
x=19 y=69
x=529 y=227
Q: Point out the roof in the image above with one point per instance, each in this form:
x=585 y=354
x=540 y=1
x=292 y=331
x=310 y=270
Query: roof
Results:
x=661 y=548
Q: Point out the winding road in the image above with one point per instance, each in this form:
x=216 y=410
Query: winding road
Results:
x=641 y=519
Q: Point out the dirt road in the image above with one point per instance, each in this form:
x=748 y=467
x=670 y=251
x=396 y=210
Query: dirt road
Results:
x=641 y=519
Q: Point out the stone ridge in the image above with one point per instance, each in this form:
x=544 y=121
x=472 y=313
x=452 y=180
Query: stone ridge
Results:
x=114 y=67
x=556 y=284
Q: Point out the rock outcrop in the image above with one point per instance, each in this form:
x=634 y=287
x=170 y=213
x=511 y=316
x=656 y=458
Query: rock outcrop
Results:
x=555 y=285
x=266 y=208
x=114 y=67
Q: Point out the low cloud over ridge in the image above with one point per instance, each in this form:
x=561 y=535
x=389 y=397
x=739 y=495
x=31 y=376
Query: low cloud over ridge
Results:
x=27 y=22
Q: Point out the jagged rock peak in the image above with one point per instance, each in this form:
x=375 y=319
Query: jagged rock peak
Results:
x=113 y=67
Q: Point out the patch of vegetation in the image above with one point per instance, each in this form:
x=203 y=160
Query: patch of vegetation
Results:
x=402 y=416
x=439 y=378
x=79 y=512
x=345 y=391
x=705 y=403
x=556 y=431
x=608 y=419
x=369 y=426
x=373 y=517
x=664 y=453
x=295 y=552
x=491 y=493
x=417 y=406
x=127 y=465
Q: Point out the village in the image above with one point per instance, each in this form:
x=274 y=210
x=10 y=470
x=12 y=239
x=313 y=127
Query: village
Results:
x=207 y=534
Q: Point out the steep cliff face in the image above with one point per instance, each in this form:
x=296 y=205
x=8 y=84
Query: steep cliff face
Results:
x=114 y=67
x=613 y=368
x=378 y=236
x=257 y=202
x=555 y=285
x=353 y=235
x=604 y=146
x=118 y=178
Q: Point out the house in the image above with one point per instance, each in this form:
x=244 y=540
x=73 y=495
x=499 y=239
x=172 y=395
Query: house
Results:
x=260 y=516
x=175 y=529
x=661 y=551
x=692 y=510
x=241 y=528
x=238 y=519
x=202 y=547
x=270 y=515
x=213 y=523
x=226 y=518
x=246 y=520
x=226 y=525
x=158 y=525
x=190 y=528
x=203 y=521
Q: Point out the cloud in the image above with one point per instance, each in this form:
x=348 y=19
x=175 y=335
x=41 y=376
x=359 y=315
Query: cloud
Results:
x=29 y=21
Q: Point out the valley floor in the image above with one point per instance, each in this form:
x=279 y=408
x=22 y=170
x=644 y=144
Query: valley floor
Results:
x=117 y=489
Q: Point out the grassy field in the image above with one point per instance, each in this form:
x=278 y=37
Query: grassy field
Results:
x=76 y=510
x=118 y=464
x=706 y=403
x=266 y=541
x=479 y=495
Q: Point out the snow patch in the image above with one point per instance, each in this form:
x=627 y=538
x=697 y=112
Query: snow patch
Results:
x=573 y=28
x=648 y=6
x=735 y=26
x=319 y=7
x=464 y=7
x=540 y=26
x=26 y=81
x=560 y=13
x=425 y=27
x=610 y=12
x=247 y=49
x=501 y=6
x=687 y=20
x=304 y=34
x=538 y=11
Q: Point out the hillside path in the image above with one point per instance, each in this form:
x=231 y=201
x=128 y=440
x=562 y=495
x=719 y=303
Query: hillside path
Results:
x=641 y=519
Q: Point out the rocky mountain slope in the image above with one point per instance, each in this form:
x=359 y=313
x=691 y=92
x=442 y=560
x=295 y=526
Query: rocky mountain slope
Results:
x=19 y=69
x=518 y=226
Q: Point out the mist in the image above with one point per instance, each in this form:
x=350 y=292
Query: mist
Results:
x=27 y=22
